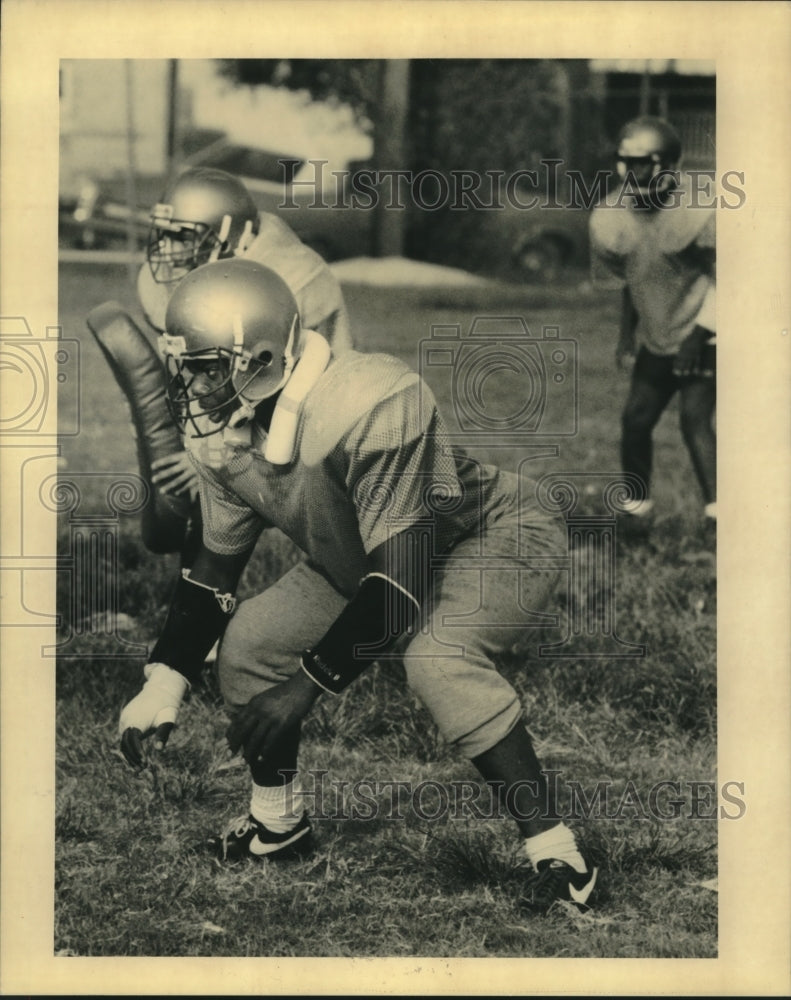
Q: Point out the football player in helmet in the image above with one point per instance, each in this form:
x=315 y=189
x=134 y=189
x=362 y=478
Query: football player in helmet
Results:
x=205 y=215
x=649 y=150
x=208 y=214
x=656 y=237
x=349 y=457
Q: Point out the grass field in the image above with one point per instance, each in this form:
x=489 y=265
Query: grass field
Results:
x=387 y=879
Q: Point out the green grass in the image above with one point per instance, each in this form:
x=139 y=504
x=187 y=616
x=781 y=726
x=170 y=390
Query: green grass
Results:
x=131 y=875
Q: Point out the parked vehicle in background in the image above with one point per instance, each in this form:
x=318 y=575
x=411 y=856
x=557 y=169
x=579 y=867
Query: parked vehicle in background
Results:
x=552 y=242
x=312 y=196
x=305 y=193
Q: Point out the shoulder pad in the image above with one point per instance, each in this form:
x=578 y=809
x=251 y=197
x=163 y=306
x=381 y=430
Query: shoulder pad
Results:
x=610 y=228
x=278 y=247
x=351 y=387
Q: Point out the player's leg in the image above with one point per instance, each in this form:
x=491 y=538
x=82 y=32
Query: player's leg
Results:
x=261 y=648
x=698 y=399
x=652 y=387
x=478 y=616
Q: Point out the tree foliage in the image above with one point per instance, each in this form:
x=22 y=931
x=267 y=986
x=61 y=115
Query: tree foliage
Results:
x=471 y=115
x=353 y=82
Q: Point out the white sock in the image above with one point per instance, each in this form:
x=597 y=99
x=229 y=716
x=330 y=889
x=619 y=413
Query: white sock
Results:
x=710 y=510
x=278 y=807
x=555 y=844
x=638 y=508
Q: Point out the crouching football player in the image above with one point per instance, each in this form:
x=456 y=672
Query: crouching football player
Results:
x=350 y=458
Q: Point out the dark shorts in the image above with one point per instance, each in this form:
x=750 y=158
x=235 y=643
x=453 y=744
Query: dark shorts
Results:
x=657 y=369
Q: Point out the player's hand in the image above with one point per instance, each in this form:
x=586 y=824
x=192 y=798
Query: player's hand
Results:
x=153 y=710
x=687 y=359
x=268 y=716
x=175 y=474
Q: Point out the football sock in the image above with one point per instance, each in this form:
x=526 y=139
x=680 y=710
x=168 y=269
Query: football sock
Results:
x=555 y=844
x=278 y=807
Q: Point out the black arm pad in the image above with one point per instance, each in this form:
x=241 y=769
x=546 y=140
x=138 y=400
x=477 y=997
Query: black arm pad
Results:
x=197 y=618
x=377 y=615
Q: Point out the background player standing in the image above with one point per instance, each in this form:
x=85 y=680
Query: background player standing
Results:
x=350 y=458
x=657 y=235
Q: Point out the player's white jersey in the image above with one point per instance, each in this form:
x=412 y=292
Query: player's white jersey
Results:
x=665 y=256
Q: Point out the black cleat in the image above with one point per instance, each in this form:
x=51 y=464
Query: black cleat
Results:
x=245 y=837
x=557 y=880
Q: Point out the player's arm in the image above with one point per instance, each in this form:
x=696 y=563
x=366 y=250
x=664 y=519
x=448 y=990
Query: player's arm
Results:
x=386 y=605
x=625 y=349
x=609 y=270
x=200 y=610
x=695 y=356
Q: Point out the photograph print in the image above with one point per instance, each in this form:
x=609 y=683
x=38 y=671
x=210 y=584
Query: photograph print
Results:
x=386 y=508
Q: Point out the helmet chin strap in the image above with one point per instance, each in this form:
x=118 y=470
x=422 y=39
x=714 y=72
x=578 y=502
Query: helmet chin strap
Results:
x=281 y=437
x=245 y=411
x=245 y=239
x=222 y=237
x=242 y=415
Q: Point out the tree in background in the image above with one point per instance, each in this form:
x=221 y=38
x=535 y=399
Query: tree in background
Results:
x=450 y=116
x=377 y=93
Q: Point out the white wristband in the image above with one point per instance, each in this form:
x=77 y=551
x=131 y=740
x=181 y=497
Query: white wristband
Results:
x=169 y=680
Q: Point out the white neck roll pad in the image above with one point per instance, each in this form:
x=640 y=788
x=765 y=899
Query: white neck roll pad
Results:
x=282 y=437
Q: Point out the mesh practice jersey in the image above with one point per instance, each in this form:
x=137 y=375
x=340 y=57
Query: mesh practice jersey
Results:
x=312 y=283
x=372 y=458
x=666 y=259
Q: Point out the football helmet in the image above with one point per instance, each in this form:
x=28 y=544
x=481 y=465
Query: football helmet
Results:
x=232 y=337
x=649 y=149
x=206 y=215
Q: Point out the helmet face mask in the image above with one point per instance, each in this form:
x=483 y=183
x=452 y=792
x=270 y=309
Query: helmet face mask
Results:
x=206 y=215
x=176 y=246
x=648 y=153
x=206 y=392
x=232 y=339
